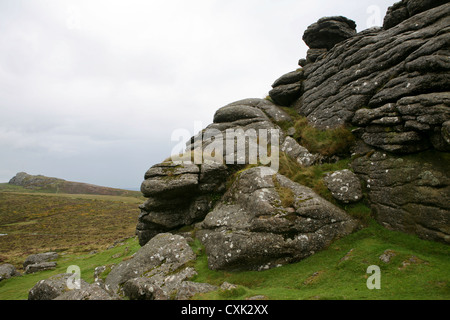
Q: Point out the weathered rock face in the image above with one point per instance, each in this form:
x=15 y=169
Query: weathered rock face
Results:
x=56 y=288
x=181 y=194
x=410 y=193
x=329 y=31
x=393 y=84
x=39 y=258
x=7 y=271
x=266 y=220
x=390 y=84
x=178 y=195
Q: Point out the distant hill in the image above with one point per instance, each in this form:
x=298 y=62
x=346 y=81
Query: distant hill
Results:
x=55 y=185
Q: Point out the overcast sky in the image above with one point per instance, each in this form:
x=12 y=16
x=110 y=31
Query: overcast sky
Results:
x=92 y=90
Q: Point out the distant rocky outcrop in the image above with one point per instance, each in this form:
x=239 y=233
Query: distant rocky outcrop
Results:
x=47 y=184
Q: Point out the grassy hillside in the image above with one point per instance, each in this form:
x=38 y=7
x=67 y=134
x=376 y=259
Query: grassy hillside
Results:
x=76 y=225
x=38 y=222
x=45 y=184
x=420 y=270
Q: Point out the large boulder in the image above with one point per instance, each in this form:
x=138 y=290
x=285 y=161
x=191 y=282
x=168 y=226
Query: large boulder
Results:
x=266 y=220
x=164 y=255
x=405 y=9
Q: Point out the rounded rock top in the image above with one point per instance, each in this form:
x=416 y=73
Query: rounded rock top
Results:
x=329 y=31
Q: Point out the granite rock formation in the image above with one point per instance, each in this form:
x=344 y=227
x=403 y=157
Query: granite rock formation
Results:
x=391 y=84
x=388 y=84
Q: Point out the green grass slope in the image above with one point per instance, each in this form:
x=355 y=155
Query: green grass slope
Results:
x=420 y=270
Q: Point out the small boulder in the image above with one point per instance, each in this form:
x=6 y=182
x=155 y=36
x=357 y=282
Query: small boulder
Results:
x=37 y=267
x=344 y=186
x=266 y=220
x=288 y=78
x=143 y=289
x=52 y=287
x=231 y=113
x=286 y=94
x=328 y=31
x=40 y=257
x=226 y=286
x=302 y=62
x=7 y=271
x=159 y=286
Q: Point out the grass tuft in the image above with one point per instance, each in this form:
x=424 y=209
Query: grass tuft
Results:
x=330 y=142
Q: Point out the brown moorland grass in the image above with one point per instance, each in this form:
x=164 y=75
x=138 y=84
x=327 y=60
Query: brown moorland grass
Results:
x=35 y=223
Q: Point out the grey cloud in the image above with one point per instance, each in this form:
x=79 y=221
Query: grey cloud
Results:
x=91 y=91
